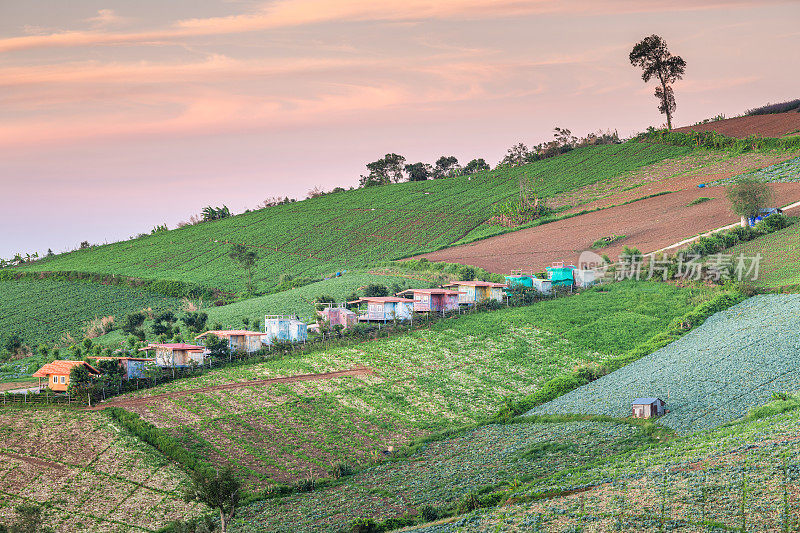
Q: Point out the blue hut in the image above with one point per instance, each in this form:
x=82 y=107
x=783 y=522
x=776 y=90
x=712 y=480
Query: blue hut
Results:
x=284 y=328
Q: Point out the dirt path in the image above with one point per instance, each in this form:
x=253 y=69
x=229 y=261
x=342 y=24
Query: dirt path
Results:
x=40 y=463
x=133 y=402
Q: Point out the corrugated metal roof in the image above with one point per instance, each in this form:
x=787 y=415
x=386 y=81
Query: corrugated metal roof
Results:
x=646 y=401
x=174 y=346
x=475 y=284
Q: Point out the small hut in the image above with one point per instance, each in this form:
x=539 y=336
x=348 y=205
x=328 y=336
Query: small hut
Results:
x=57 y=373
x=386 y=308
x=284 y=328
x=132 y=367
x=437 y=300
x=561 y=274
x=176 y=355
x=338 y=316
x=473 y=292
x=239 y=340
x=648 y=407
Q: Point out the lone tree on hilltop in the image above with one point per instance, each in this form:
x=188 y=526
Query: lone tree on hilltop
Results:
x=748 y=197
x=652 y=55
x=246 y=259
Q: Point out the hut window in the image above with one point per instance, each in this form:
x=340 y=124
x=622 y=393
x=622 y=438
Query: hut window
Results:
x=55 y=379
x=63 y=379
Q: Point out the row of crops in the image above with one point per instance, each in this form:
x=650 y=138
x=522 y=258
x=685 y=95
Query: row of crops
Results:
x=736 y=360
x=443 y=472
x=784 y=172
x=352 y=228
x=44 y=310
x=86 y=474
x=743 y=477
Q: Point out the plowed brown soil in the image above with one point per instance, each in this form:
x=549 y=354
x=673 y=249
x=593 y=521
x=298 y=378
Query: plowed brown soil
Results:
x=650 y=224
x=776 y=125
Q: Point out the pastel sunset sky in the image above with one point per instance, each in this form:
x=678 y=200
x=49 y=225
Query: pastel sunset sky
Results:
x=116 y=116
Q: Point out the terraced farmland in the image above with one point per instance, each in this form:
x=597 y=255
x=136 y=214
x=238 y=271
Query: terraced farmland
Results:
x=709 y=377
x=739 y=477
x=444 y=471
x=457 y=372
x=349 y=229
x=44 y=310
x=87 y=473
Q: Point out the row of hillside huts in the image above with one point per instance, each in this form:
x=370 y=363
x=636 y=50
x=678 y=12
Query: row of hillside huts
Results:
x=287 y=328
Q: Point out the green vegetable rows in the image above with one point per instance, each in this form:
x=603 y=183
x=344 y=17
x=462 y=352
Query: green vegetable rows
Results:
x=44 y=310
x=711 y=376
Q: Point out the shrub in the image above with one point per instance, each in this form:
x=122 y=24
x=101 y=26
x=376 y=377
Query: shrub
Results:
x=363 y=525
x=428 y=513
x=341 y=470
x=470 y=502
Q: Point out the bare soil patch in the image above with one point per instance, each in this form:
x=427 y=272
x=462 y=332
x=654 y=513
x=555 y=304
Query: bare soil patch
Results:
x=776 y=125
x=650 y=224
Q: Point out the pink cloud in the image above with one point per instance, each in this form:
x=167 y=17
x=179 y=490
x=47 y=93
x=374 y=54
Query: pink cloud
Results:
x=292 y=13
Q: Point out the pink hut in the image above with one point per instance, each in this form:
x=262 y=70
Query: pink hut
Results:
x=339 y=316
x=437 y=300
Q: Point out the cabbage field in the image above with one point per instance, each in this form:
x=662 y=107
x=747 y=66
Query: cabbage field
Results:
x=86 y=473
x=709 y=377
x=44 y=310
x=349 y=229
x=444 y=471
x=784 y=172
x=742 y=477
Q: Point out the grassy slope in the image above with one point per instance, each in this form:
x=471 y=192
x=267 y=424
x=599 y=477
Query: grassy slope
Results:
x=42 y=311
x=727 y=477
x=780 y=257
x=458 y=372
x=91 y=476
x=350 y=229
x=713 y=375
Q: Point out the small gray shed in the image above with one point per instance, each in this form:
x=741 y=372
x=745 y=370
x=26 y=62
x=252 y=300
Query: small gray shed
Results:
x=648 y=407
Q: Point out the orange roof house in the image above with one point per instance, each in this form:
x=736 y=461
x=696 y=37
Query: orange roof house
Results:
x=57 y=373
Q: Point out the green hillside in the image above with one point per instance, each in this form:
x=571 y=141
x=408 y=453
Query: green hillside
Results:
x=44 y=311
x=349 y=229
x=733 y=362
x=460 y=371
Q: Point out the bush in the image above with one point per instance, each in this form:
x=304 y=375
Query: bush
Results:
x=428 y=513
x=363 y=525
x=466 y=273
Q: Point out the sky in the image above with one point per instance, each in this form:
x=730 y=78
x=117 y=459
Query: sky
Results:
x=116 y=116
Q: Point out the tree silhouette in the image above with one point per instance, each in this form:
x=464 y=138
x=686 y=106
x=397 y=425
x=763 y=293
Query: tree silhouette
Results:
x=653 y=57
